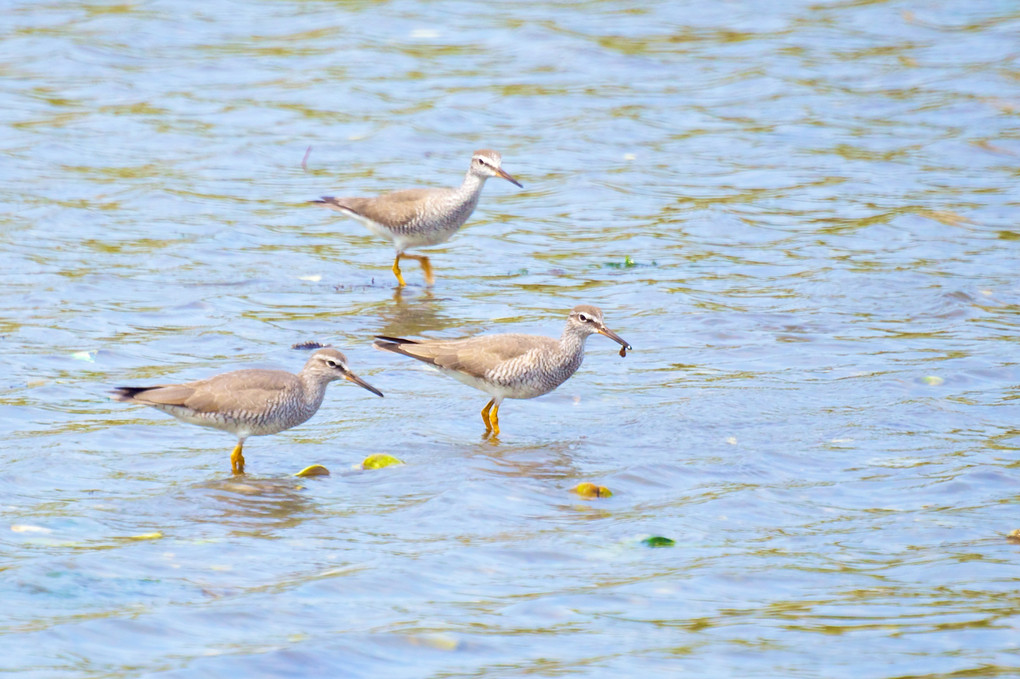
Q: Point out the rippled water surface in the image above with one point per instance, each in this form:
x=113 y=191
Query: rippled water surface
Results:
x=803 y=216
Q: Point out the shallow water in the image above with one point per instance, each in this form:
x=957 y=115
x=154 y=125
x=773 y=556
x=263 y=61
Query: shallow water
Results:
x=802 y=215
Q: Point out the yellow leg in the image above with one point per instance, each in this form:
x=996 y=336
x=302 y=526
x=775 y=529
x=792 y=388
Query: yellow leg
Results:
x=426 y=266
x=485 y=416
x=237 y=459
x=396 y=271
x=494 y=420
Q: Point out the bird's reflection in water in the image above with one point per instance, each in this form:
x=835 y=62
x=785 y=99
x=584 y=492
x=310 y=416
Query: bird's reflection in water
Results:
x=536 y=461
x=253 y=506
x=414 y=312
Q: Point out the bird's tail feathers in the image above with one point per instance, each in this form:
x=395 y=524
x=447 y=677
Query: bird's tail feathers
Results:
x=126 y=394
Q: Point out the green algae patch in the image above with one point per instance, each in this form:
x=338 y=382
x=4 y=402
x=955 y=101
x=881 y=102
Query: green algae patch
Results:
x=628 y=262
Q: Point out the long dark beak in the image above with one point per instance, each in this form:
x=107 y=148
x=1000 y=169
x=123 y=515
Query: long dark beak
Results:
x=613 y=336
x=362 y=383
x=506 y=175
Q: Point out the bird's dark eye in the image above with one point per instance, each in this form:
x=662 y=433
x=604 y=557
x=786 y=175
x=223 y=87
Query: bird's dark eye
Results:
x=582 y=318
x=331 y=363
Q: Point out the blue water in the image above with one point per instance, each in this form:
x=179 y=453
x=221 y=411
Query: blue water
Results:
x=802 y=215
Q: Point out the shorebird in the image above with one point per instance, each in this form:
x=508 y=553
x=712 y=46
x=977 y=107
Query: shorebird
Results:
x=249 y=402
x=509 y=365
x=414 y=218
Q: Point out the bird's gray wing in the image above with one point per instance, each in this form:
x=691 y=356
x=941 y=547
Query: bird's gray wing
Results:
x=474 y=356
x=393 y=209
x=239 y=390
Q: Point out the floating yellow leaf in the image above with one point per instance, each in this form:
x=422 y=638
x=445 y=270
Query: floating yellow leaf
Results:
x=313 y=470
x=592 y=490
x=379 y=460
